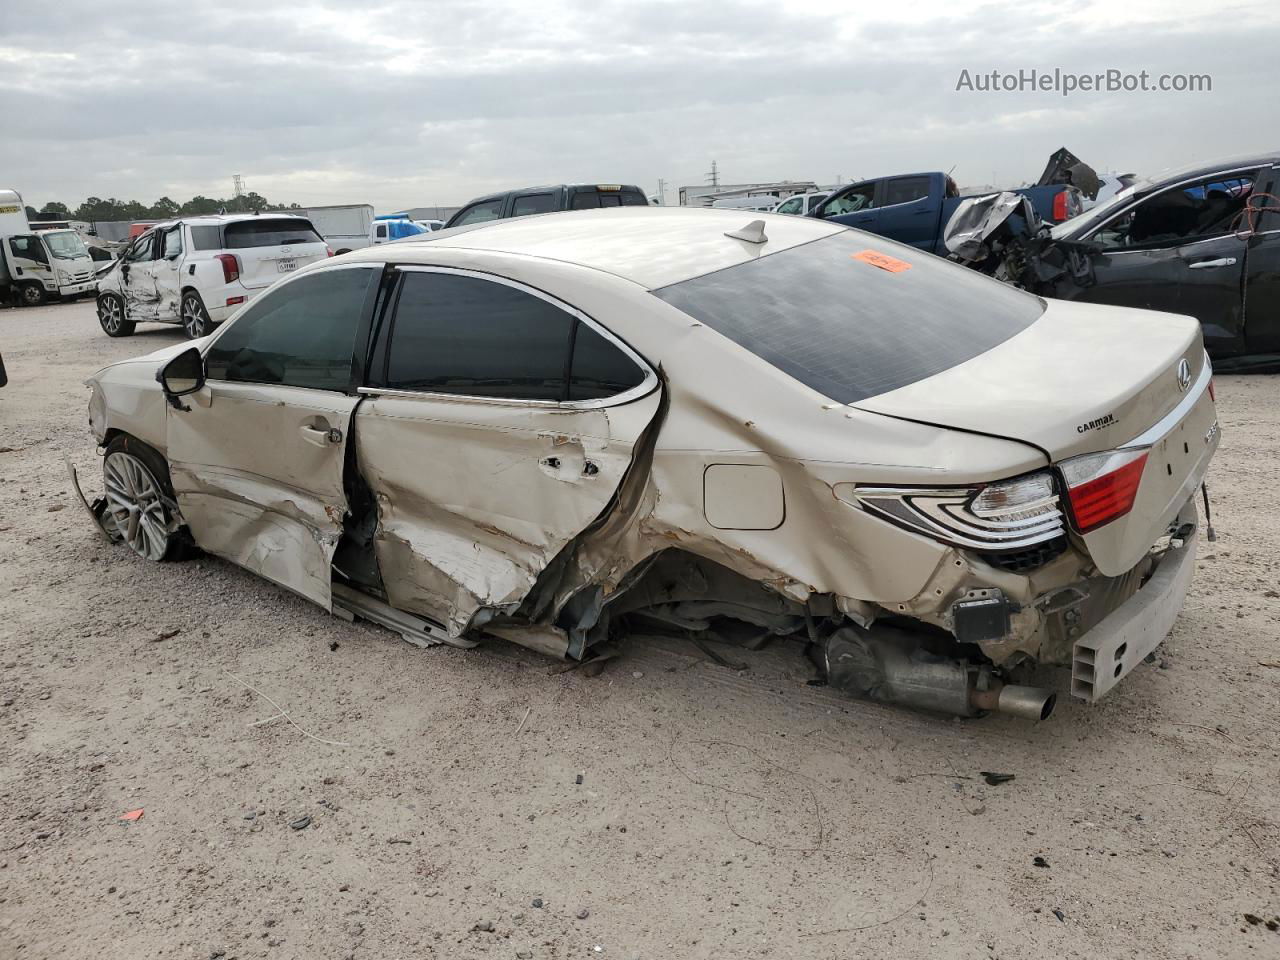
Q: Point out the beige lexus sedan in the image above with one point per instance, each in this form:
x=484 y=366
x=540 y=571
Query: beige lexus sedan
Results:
x=564 y=429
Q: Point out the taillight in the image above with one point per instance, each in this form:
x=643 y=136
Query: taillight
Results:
x=230 y=267
x=1102 y=486
x=1060 y=206
x=328 y=251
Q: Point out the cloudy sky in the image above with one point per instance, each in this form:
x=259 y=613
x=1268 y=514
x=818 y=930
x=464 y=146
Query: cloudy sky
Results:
x=410 y=103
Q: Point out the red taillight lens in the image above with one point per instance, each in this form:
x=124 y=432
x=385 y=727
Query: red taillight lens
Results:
x=328 y=251
x=1060 y=206
x=230 y=267
x=1102 y=487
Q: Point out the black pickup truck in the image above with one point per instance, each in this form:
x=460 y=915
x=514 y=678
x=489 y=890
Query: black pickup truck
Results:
x=563 y=196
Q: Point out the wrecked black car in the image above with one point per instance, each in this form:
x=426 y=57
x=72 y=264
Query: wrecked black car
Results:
x=1203 y=240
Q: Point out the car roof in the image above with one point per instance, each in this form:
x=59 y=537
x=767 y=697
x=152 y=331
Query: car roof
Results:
x=1189 y=171
x=221 y=219
x=651 y=246
x=549 y=186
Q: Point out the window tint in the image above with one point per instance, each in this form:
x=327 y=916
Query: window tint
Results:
x=143 y=248
x=172 y=243
x=600 y=368
x=859 y=198
x=301 y=334
x=610 y=200
x=816 y=199
x=631 y=198
x=206 y=237
x=28 y=247
x=465 y=335
x=269 y=232
x=382 y=231
x=534 y=203
x=480 y=212
x=848 y=329
x=1209 y=208
x=585 y=200
x=906 y=189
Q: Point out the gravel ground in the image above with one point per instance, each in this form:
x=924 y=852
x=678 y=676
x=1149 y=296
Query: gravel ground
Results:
x=719 y=814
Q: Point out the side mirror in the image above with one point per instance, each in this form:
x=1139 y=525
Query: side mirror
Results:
x=182 y=375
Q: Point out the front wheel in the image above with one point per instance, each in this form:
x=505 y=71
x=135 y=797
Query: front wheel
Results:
x=111 y=316
x=195 y=318
x=139 y=501
x=32 y=294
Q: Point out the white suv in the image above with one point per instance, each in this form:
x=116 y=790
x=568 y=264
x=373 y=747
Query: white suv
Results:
x=197 y=271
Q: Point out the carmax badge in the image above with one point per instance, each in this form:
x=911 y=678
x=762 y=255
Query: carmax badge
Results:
x=1184 y=374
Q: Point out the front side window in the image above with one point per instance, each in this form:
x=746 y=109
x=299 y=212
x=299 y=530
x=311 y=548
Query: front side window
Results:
x=533 y=203
x=906 y=189
x=1198 y=211
x=143 y=249
x=481 y=212
x=475 y=337
x=791 y=206
x=172 y=248
x=301 y=334
x=862 y=197
x=28 y=248
x=846 y=328
x=382 y=231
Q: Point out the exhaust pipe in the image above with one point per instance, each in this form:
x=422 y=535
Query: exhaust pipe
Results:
x=888 y=665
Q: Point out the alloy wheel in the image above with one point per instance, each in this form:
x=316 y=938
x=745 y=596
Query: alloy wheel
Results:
x=193 y=320
x=110 y=314
x=135 y=505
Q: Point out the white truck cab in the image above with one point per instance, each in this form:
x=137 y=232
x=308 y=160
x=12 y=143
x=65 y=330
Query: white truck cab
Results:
x=37 y=266
x=197 y=271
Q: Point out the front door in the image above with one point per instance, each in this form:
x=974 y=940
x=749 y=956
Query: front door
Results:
x=854 y=206
x=499 y=427
x=138 y=278
x=29 y=260
x=1180 y=250
x=906 y=214
x=257 y=455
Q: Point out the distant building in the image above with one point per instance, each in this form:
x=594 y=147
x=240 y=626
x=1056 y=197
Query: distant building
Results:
x=707 y=194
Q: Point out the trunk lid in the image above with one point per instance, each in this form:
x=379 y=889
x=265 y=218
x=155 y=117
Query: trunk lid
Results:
x=269 y=248
x=1086 y=379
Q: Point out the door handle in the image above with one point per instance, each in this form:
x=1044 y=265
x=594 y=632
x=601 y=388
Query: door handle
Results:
x=320 y=436
x=1209 y=264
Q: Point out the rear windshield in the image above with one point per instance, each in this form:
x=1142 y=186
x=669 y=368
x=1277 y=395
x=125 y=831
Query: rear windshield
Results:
x=266 y=232
x=848 y=328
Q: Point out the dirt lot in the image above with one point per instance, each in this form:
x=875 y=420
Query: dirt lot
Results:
x=719 y=814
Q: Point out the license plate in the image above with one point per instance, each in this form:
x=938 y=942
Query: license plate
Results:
x=287 y=264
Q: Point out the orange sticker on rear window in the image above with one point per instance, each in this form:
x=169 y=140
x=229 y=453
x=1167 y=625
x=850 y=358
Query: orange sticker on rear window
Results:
x=882 y=260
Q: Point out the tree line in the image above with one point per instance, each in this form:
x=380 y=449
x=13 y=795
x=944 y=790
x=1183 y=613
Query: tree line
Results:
x=95 y=208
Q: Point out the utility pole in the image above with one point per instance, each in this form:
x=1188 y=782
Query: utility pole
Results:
x=713 y=178
x=662 y=192
x=238 y=185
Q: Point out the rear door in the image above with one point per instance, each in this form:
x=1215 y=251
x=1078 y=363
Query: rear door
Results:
x=1262 y=273
x=499 y=424
x=271 y=247
x=256 y=456
x=854 y=206
x=526 y=204
x=906 y=213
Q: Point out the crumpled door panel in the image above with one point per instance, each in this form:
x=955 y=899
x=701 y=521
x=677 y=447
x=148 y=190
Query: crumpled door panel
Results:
x=476 y=498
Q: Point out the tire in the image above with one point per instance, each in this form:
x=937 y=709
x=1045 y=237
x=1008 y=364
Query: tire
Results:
x=111 y=316
x=195 y=318
x=139 y=495
x=32 y=294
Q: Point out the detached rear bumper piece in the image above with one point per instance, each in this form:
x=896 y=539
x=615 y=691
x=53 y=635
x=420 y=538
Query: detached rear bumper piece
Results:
x=1104 y=655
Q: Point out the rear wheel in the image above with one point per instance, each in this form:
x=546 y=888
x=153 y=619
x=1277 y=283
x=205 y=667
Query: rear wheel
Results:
x=32 y=294
x=195 y=318
x=111 y=316
x=139 y=499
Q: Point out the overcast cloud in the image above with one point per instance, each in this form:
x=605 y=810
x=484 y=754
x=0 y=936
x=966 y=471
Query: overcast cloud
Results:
x=419 y=103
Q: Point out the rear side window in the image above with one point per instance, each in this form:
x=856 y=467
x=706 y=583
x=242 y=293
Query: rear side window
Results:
x=464 y=335
x=480 y=212
x=205 y=237
x=475 y=337
x=906 y=189
x=630 y=198
x=533 y=203
x=851 y=330
x=300 y=334
x=268 y=232
x=585 y=200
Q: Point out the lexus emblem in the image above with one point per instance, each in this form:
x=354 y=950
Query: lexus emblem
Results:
x=1184 y=374
x=287 y=249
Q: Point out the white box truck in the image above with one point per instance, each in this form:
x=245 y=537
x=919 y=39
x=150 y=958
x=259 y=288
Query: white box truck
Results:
x=345 y=227
x=38 y=266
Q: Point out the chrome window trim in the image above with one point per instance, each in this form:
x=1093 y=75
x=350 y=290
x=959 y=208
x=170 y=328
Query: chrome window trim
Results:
x=643 y=389
x=1175 y=416
x=1175 y=186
